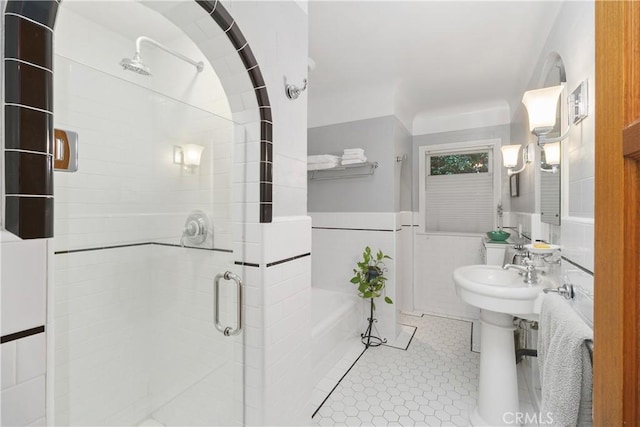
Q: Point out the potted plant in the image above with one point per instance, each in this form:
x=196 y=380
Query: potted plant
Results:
x=370 y=279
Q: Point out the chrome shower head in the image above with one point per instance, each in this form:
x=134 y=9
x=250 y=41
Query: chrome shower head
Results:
x=135 y=65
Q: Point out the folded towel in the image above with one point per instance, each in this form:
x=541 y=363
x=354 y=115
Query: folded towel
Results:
x=320 y=166
x=323 y=158
x=566 y=373
x=354 y=151
x=354 y=161
x=353 y=156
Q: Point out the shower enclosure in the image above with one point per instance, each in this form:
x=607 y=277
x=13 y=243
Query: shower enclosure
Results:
x=141 y=232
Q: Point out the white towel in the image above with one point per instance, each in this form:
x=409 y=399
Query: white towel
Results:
x=359 y=151
x=320 y=166
x=323 y=158
x=566 y=373
x=354 y=161
x=353 y=157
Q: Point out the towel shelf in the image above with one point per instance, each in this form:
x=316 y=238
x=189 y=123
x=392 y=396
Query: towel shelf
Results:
x=344 y=171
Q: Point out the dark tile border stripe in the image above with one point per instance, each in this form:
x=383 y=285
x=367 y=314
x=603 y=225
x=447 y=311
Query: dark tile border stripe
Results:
x=129 y=245
x=271 y=264
x=575 y=264
x=339 y=381
x=246 y=264
x=23 y=41
x=415 y=329
x=22 y=334
x=356 y=229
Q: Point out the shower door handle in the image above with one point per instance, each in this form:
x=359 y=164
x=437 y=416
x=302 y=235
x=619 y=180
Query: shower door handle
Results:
x=227 y=331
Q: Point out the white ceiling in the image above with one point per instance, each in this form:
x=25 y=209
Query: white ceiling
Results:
x=438 y=54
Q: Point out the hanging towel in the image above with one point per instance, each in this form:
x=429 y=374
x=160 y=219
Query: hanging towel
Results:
x=566 y=373
x=323 y=158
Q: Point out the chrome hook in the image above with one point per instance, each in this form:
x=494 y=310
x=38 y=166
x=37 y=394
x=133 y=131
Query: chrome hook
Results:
x=293 y=91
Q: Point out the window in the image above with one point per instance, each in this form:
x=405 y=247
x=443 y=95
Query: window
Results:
x=458 y=189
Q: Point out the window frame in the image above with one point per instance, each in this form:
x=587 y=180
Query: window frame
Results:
x=495 y=167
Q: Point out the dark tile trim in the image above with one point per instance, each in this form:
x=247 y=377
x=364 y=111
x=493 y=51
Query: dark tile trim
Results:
x=265 y=114
x=29 y=217
x=29 y=85
x=575 y=264
x=415 y=329
x=41 y=11
x=293 y=258
x=28 y=129
x=28 y=173
x=246 y=264
x=247 y=57
x=266 y=211
x=33 y=41
x=355 y=229
x=22 y=334
x=338 y=383
x=128 y=245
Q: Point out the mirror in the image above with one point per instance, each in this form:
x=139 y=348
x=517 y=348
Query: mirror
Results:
x=550 y=194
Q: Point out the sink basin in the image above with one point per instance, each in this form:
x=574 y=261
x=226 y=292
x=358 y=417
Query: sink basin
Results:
x=490 y=287
x=500 y=294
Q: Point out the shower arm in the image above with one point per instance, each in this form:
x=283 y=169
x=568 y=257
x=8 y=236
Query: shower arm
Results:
x=199 y=65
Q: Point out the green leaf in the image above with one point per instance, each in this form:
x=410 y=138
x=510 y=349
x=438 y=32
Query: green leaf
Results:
x=388 y=300
x=363 y=287
x=387 y=257
x=368 y=294
x=374 y=305
x=355 y=280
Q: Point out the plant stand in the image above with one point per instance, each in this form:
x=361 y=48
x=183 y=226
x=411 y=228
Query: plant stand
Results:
x=369 y=338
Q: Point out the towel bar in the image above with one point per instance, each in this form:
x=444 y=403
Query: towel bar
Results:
x=589 y=344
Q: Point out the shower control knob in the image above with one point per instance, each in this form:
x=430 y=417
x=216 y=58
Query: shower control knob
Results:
x=196 y=228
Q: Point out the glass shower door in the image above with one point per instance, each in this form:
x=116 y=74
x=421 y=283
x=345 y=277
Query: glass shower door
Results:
x=132 y=312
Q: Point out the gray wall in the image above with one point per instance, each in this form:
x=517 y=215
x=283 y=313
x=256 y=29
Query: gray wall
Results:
x=491 y=132
x=404 y=169
x=380 y=139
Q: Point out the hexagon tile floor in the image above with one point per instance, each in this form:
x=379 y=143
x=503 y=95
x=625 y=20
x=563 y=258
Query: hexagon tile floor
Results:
x=434 y=382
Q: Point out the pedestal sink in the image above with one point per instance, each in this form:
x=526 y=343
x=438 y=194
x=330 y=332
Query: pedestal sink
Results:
x=500 y=295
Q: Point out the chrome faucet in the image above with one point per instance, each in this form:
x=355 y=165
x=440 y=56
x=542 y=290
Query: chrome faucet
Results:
x=527 y=270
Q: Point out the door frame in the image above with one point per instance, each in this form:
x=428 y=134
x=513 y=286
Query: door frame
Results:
x=617 y=233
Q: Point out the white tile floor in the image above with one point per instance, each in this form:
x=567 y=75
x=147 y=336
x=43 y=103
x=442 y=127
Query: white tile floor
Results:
x=432 y=383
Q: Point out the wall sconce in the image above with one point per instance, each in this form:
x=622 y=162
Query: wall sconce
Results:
x=551 y=156
x=188 y=155
x=510 y=157
x=542 y=105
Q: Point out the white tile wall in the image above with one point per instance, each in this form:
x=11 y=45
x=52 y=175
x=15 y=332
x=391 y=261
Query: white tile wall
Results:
x=135 y=336
x=23 y=403
x=278 y=330
x=337 y=244
x=23 y=276
x=126 y=174
x=435 y=258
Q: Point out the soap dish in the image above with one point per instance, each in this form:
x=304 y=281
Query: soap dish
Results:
x=551 y=249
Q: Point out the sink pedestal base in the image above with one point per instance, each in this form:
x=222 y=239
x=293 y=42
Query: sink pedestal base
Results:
x=498 y=392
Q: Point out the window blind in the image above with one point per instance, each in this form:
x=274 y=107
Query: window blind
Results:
x=459 y=203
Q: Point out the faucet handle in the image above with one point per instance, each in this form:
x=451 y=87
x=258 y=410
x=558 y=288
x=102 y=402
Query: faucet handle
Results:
x=565 y=290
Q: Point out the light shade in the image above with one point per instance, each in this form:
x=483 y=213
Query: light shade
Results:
x=552 y=153
x=541 y=106
x=191 y=155
x=510 y=155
